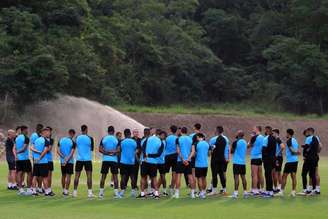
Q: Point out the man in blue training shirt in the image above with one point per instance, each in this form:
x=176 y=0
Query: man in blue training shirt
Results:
x=277 y=178
x=84 y=147
x=171 y=156
x=35 y=135
x=129 y=149
x=66 y=146
x=256 y=144
x=197 y=129
x=219 y=160
x=238 y=151
x=161 y=164
x=186 y=151
x=292 y=152
x=152 y=148
x=109 y=147
x=201 y=163
x=23 y=163
x=41 y=166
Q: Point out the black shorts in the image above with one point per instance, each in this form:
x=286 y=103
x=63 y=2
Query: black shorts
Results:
x=256 y=162
x=290 y=167
x=239 y=169
x=127 y=169
x=11 y=165
x=109 y=164
x=181 y=168
x=87 y=165
x=161 y=168
x=171 y=162
x=24 y=166
x=67 y=169
x=278 y=164
x=201 y=172
x=193 y=161
x=40 y=169
x=148 y=169
x=51 y=166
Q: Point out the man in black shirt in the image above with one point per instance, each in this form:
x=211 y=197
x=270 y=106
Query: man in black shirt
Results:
x=10 y=157
x=268 y=155
x=137 y=138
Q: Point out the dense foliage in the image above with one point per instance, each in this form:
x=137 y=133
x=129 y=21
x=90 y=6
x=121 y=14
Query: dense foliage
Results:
x=167 y=51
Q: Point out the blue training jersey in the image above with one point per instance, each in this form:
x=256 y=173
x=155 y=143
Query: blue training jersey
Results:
x=239 y=155
x=171 y=147
x=41 y=144
x=153 y=146
x=185 y=145
x=161 y=159
x=66 y=144
x=84 y=146
x=128 y=151
x=290 y=157
x=109 y=143
x=257 y=145
x=20 y=141
x=33 y=137
x=49 y=153
x=201 y=159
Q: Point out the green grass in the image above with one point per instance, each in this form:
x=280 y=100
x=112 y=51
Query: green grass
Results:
x=13 y=206
x=243 y=110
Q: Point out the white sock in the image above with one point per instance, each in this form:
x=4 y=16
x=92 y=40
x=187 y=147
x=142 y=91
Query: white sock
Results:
x=282 y=191
x=177 y=191
x=29 y=190
x=21 y=190
x=310 y=188
x=235 y=192
x=142 y=193
x=123 y=191
x=116 y=192
x=224 y=189
x=90 y=191
x=279 y=186
x=193 y=191
x=164 y=190
x=317 y=188
x=65 y=191
x=34 y=190
x=101 y=191
x=47 y=191
x=156 y=193
x=214 y=189
x=10 y=185
x=211 y=186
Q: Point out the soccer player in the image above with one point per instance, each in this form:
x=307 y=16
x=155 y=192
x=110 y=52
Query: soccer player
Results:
x=197 y=129
x=10 y=157
x=35 y=135
x=40 y=159
x=161 y=164
x=50 y=159
x=256 y=144
x=66 y=151
x=171 y=156
x=219 y=160
x=137 y=138
x=152 y=148
x=238 y=151
x=186 y=151
x=129 y=149
x=201 y=163
x=310 y=153
x=109 y=147
x=277 y=179
x=23 y=163
x=291 y=162
x=268 y=155
x=84 y=147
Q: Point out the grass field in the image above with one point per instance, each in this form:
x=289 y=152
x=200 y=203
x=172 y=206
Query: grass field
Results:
x=242 y=109
x=14 y=207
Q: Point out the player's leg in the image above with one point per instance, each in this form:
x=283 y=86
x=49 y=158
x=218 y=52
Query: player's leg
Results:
x=305 y=170
x=214 y=168
x=78 y=169
x=244 y=182
x=222 y=177
x=236 y=182
x=114 y=172
x=255 y=181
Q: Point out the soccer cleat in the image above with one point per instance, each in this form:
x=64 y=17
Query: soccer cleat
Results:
x=141 y=196
x=293 y=194
x=74 y=194
x=267 y=195
x=65 y=194
x=209 y=190
x=156 y=197
x=279 y=194
x=192 y=195
x=212 y=193
x=165 y=194
x=28 y=193
x=246 y=195
x=176 y=196
x=50 y=194
x=101 y=196
x=91 y=196
x=117 y=196
x=234 y=196
x=317 y=192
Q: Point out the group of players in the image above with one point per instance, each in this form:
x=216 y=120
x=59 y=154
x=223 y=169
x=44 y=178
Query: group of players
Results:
x=184 y=155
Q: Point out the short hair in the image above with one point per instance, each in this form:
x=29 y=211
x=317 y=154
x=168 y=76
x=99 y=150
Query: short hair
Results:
x=304 y=132
x=219 y=129
x=111 y=129
x=268 y=127
x=258 y=127
x=146 y=131
x=84 y=128
x=127 y=132
x=163 y=133
x=290 y=132
x=240 y=134
x=39 y=127
x=184 y=130
x=311 y=129
x=276 y=131
x=197 y=126
x=158 y=131
x=200 y=135
x=18 y=128
x=48 y=127
x=23 y=127
x=71 y=131
x=173 y=128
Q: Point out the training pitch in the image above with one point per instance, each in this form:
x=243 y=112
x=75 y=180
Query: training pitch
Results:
x=13 y=206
